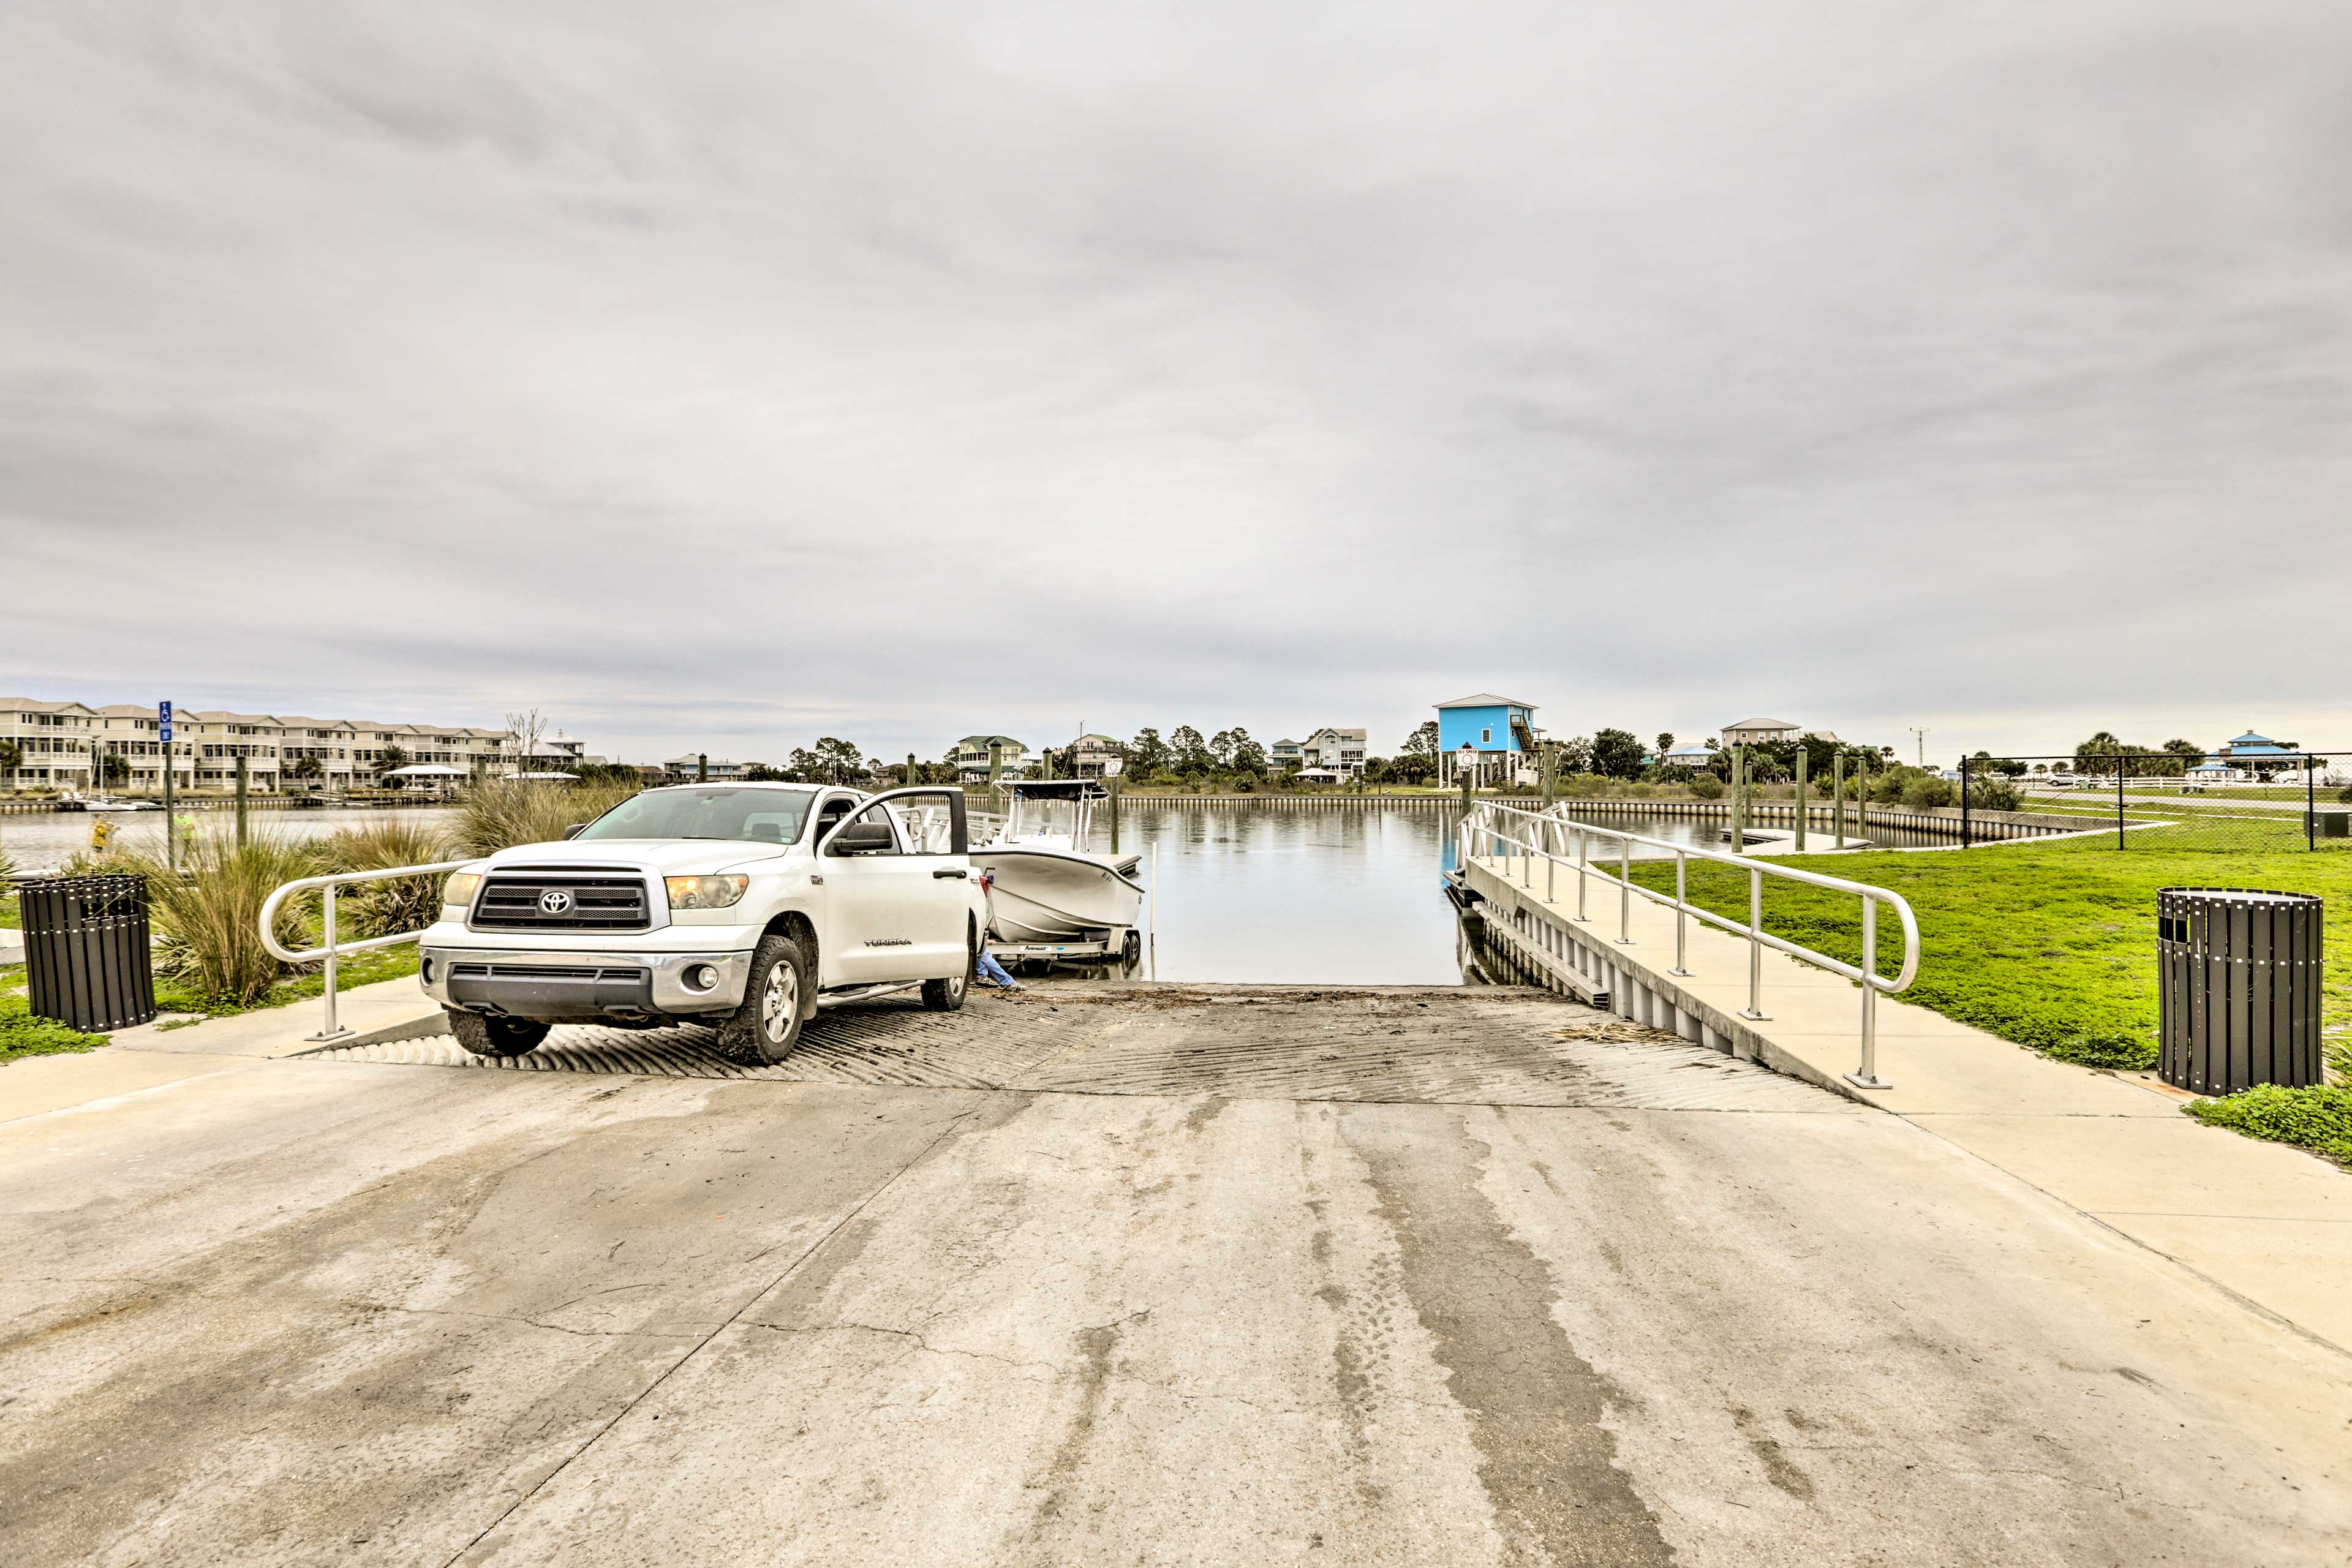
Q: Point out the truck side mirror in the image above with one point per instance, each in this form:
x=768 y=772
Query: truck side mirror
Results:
x=575 y=830
x=861 y=839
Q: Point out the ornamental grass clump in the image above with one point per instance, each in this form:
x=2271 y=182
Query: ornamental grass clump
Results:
x=404 y=904
x=207 y=914
x=498 y=813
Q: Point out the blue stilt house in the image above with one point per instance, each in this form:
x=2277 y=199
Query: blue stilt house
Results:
x=1496 y=736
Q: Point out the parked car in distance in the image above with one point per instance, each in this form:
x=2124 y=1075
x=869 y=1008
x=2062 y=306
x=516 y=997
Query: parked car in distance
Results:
x=744 y=906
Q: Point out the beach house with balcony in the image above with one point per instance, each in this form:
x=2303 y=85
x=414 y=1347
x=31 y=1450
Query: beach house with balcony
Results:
x=1495 y=736
x=1339 y=753
x=971 y=757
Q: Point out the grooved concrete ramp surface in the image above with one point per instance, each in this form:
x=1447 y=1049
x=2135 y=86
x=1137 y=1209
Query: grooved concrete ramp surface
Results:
x=360 y=1311
x=1439 y=1046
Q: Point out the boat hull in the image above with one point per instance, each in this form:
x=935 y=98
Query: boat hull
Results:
x=1054 y=894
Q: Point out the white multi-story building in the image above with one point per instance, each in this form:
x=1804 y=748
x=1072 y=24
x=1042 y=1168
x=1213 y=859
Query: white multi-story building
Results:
x=51 y=741
x=55 y=743
x=1341 y=752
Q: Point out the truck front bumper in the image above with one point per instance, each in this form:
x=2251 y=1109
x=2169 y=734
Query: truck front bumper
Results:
x=544 y=984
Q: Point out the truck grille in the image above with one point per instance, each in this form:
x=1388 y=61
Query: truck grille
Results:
x=588 y=903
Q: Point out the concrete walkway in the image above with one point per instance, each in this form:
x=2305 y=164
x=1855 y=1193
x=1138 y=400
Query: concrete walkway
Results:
x=1408 y=1276
x=2267 y=1225
x=153 y=1054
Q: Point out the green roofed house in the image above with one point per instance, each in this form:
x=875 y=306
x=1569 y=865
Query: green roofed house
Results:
x=970 y=756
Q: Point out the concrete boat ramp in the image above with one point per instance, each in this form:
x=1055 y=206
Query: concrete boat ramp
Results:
x=1093 y=1275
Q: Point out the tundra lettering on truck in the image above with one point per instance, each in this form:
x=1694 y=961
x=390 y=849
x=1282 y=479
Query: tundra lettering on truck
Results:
x=742 y=906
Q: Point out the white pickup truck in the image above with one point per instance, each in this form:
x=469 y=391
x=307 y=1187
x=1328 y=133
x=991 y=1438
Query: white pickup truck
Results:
x=746 y=906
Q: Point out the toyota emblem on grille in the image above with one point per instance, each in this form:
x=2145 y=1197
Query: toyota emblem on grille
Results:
x=554 y=901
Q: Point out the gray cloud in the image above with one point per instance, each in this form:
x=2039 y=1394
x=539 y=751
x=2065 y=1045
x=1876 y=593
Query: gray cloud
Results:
x=723 y=374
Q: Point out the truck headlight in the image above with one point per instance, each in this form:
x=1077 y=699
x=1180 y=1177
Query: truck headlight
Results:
x=705 y=893
x=457 y=892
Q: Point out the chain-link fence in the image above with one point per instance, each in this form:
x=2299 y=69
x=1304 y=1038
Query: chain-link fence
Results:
x=2270 y=803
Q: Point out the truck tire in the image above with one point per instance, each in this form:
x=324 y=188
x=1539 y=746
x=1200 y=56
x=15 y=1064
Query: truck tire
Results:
x=492 y=1037
x=767 y=1025
x=946 y=995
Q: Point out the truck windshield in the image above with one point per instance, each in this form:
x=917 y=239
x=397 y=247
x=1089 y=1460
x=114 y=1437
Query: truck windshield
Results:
x=760 y=816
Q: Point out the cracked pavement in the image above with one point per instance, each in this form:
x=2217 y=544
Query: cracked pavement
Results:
x=361 y=1312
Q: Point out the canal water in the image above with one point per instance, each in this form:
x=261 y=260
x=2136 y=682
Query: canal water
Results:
x=46 y=840
x=1338 y=897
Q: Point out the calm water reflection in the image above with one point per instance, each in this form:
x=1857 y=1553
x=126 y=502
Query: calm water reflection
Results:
x=1322 y=897
x=44 y=841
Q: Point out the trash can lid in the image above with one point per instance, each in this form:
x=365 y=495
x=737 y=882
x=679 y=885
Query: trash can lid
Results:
x=2235 y=895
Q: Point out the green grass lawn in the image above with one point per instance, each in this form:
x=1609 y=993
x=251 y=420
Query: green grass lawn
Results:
x=23 y=1035
x=2052 y=944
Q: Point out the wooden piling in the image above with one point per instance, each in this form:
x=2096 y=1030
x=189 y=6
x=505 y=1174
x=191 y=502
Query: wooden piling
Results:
x=1804 y=799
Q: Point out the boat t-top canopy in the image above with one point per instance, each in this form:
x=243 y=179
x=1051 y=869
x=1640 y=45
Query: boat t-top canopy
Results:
x=1059 y=789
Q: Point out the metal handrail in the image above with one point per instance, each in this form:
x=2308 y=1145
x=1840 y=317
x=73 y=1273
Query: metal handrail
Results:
x=333 y=950
x=1491 y=819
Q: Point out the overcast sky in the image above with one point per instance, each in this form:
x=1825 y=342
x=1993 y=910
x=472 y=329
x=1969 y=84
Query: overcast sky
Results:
x=718 y=376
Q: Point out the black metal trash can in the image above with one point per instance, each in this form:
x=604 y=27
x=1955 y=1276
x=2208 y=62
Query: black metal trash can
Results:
x=2239 y=975
x=86 y=959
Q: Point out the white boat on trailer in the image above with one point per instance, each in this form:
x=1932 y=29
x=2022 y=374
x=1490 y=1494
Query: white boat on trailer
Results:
x=1048 y=896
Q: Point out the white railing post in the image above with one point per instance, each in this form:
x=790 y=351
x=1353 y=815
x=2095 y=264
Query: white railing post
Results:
x=1682 y=910
x=1625 y=892
x=1583 y=871
x=330 y=1030
x=1755 y=1008
x=1867 y=1078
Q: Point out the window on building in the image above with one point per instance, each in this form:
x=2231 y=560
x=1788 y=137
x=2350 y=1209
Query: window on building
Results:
x=1486 y=736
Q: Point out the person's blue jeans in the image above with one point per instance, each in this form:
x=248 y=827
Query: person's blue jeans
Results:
x=994 y=972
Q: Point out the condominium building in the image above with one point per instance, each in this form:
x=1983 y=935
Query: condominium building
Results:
x=51 y=743
x=55 y=742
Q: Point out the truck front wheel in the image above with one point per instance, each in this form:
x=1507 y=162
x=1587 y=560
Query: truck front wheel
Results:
x=768 y=1025
x=486 y=1035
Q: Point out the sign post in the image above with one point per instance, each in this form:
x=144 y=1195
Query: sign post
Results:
x=170 y=829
